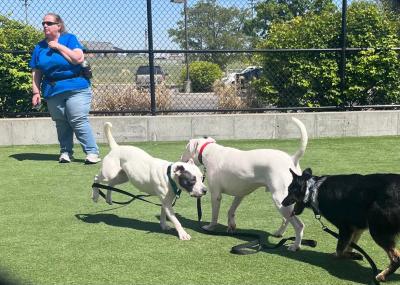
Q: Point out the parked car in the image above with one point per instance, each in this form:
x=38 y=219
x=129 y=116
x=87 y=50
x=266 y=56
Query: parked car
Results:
x=142 y=77
x=244 y=76
x=249 y=73
x=230 y=78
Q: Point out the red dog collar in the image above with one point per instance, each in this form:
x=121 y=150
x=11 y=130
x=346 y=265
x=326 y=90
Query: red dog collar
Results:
x=200 y=157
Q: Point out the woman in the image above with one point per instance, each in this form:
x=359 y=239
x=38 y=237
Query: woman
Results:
x=57 y=76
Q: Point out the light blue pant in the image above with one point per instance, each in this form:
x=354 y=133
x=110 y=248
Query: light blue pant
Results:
x=70 y=111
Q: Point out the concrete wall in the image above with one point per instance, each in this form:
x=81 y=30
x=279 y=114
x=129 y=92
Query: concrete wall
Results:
x=239 y=126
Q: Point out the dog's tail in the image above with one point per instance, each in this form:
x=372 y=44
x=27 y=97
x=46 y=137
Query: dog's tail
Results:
x=303 y=141
x=107 y=131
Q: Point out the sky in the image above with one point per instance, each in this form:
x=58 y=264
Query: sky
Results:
x=121 y=22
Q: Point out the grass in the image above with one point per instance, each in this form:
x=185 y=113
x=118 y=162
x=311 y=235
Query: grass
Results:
x=52 y=233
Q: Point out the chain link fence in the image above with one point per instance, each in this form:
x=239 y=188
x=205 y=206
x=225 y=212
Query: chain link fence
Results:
x=176 y=56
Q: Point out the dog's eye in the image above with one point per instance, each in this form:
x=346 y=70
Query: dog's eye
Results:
x=190 y=182
x=187 y=182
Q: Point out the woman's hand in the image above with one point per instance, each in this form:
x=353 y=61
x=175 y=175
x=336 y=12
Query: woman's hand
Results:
x=36 y=100
x=54 y=45
x=73 y=56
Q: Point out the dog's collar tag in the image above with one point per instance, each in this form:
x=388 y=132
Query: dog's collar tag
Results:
x=177 y=191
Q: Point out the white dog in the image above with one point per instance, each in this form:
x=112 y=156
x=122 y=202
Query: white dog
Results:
x=151 y=175
x=238 y=173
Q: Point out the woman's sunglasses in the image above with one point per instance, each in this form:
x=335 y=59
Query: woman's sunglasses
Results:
x=49 y=23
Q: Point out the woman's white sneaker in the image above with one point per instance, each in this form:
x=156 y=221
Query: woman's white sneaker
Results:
x=92 y=158
x=64 y=158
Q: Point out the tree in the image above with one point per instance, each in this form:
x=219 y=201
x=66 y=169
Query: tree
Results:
x=312 y=78
x=280 y=11
x=373 y=75
x=203 y=74
x=15 y=79
x=391 y=5
x=212 y=27
x=392 y=8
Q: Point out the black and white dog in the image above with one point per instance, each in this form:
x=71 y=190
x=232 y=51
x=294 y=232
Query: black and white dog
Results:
x=353 y=203
x=151 y=175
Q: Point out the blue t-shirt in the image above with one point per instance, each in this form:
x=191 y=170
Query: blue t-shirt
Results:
x=59 y=75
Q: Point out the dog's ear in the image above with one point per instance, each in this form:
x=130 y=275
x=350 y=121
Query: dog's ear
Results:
x=210 y=139
x=307 y=173
x=192 y=145
x=293 y=173
x=179 y=169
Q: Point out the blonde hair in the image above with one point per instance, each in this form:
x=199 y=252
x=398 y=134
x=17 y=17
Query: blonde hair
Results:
x=59 y=20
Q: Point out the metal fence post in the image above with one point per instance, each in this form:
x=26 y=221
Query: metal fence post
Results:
x=342 y=66
x=151 y=59
x=188 y=83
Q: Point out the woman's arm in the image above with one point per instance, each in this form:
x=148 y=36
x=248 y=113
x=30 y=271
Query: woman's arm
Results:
x=74 y=56
x=36 y=79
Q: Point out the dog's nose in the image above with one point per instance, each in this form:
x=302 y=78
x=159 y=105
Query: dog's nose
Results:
x=204 y=191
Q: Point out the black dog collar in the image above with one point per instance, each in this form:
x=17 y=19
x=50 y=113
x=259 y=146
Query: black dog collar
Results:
x=177 y=191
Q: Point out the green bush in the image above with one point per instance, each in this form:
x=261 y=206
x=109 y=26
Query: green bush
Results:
x=202 y=74
x=312 y=78
x=15 y=75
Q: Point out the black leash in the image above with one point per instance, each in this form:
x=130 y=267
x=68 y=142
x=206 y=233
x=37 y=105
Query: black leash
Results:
x=134 y=197
x=175 y=188
x=353 y=245
x=253 y=246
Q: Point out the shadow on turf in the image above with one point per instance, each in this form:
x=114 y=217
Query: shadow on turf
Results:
x=39 y=157
x=350 y=270
x=116 y=221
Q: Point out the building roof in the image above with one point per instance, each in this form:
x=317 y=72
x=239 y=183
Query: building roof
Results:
x=94 y=45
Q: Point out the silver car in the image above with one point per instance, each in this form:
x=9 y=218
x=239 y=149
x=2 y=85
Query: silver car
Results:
x=142 y=77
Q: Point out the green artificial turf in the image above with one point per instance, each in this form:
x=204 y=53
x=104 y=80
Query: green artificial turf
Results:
x=52 y=232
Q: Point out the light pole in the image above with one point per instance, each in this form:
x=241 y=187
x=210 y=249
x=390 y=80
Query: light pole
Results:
x=26 y=4
x=188 y=83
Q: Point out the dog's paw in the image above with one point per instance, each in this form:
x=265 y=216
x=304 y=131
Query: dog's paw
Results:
x=348 y=255
x=165 y=227
x=354 y=255
x=209 y=227
x=184 y=236
x=231 y=228
x=380 y=277
x=277 y=234
x=293 y=247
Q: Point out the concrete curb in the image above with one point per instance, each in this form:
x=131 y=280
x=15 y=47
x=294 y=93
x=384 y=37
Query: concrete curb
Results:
x=30 y=131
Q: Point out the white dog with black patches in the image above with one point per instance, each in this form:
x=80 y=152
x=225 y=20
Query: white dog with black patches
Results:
x=238 y=173
x=150 y=175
